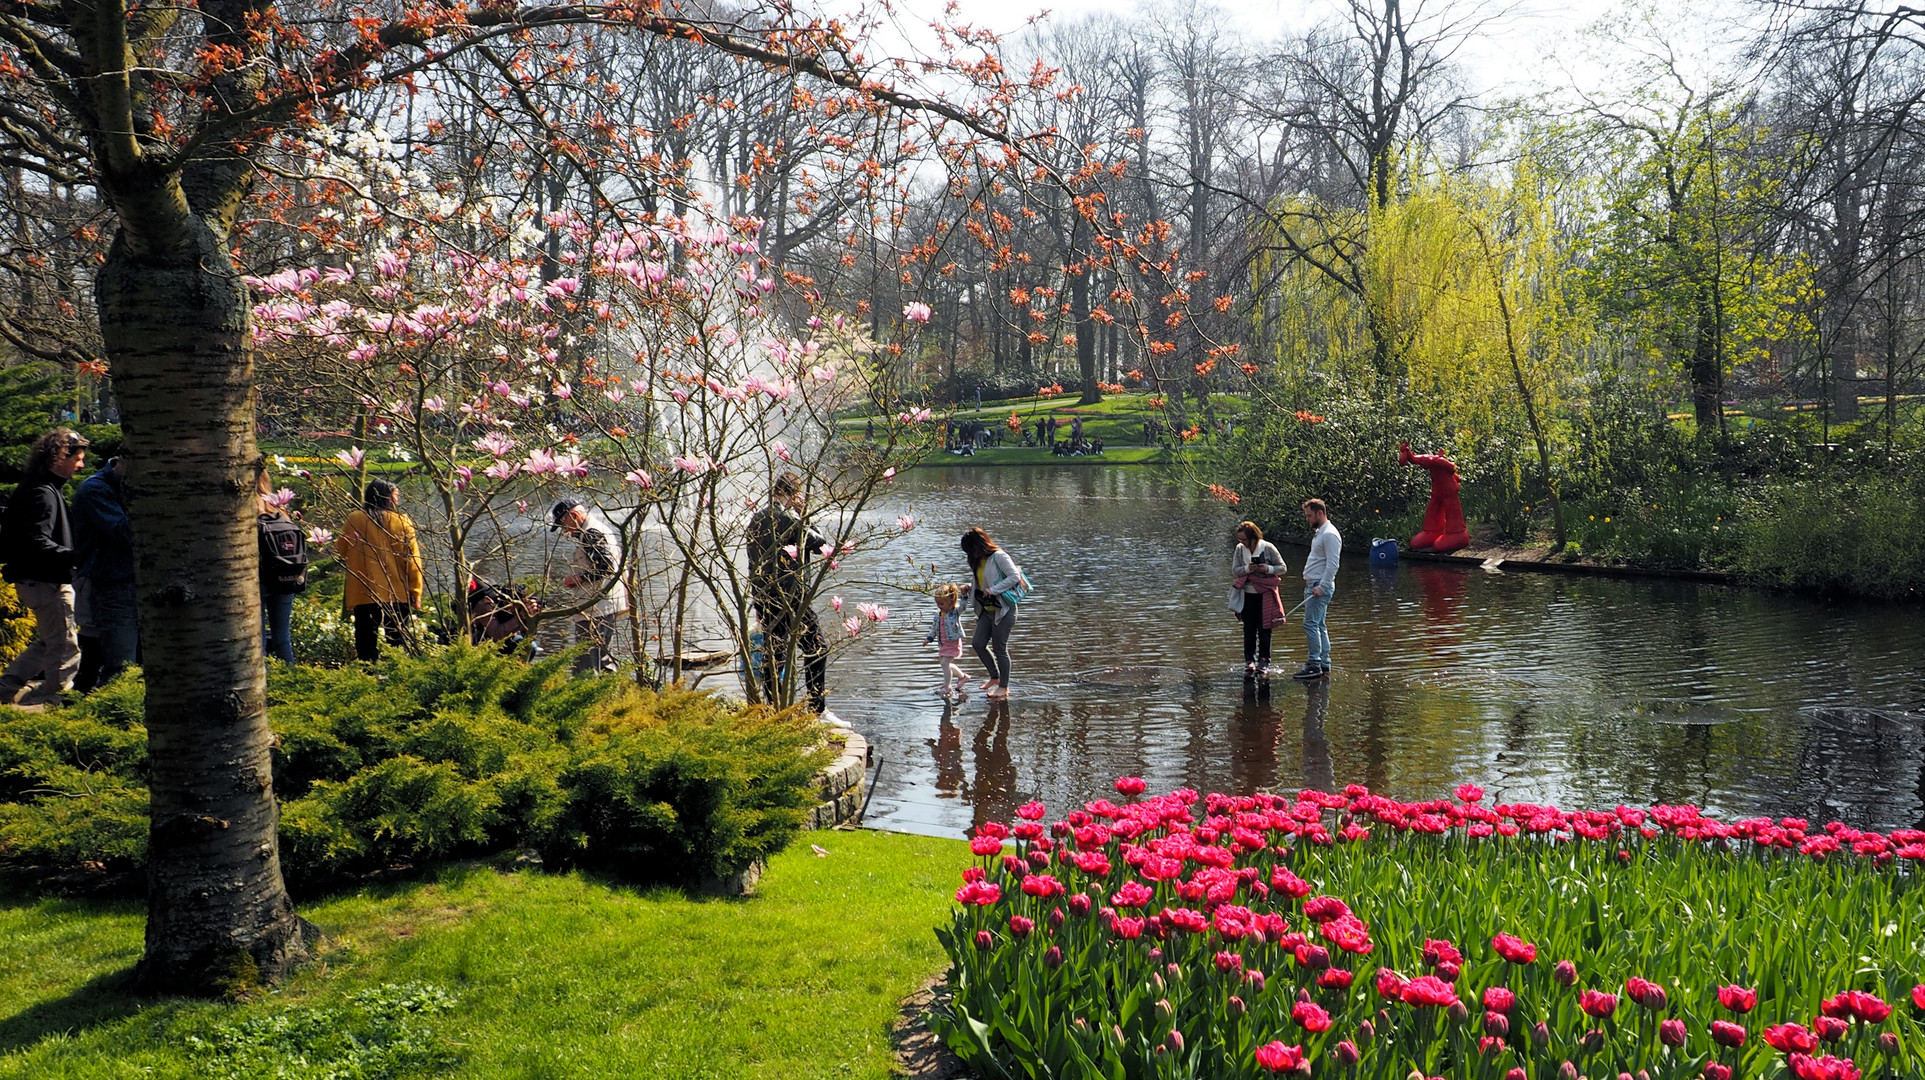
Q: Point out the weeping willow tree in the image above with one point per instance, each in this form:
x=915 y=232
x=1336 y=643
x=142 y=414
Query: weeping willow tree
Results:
x=1455 y=317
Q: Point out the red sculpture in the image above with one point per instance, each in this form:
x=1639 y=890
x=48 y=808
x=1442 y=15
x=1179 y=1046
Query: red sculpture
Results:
x=1443 y=530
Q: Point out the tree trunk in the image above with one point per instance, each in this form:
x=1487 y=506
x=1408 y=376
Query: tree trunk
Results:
x=175 y=329
x=1707 y=374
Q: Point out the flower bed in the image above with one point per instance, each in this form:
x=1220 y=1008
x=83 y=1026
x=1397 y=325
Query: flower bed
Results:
x=1350 y=935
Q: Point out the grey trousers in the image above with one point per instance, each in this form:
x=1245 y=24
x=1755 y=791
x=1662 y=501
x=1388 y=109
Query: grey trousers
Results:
x=53 y=657
x=991 y=642
x=598 y=633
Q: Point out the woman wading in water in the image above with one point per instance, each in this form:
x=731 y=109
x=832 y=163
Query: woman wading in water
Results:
x=994 y=574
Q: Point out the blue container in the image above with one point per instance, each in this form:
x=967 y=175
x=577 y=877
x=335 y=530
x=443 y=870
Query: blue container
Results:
x=1383 y=552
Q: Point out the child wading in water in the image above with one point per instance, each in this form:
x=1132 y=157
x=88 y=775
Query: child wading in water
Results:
x=946 y=632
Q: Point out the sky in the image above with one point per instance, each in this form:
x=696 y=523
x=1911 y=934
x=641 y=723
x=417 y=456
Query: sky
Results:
x=1539 y=44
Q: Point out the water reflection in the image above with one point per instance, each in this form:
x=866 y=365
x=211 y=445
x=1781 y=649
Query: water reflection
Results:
x=1578 y=691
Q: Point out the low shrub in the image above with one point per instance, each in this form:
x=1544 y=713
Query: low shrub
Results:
x=16 y=623
x=457 y=752
x=1680 y=524
x=1864 y=538
x=1350 y=935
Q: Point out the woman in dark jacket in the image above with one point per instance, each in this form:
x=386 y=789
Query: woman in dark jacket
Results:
x=992 y=573
x=39 y=561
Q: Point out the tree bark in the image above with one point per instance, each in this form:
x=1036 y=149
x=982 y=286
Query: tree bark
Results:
x=174 y=321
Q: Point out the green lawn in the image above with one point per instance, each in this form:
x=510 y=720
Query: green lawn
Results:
x=548 y=976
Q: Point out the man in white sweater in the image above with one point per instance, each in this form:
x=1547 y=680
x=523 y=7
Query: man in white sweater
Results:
x=1319 y=583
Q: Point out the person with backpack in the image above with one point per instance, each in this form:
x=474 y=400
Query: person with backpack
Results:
x=37 y=556
x=284 y=559
x=106 y=609
x=383 y=564
x=999 y=585
x=781 y=545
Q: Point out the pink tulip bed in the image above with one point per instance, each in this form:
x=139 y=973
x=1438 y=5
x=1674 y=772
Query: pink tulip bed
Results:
x=1350 y=935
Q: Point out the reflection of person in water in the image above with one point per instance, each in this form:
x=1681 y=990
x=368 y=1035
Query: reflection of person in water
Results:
x=995 y=789
x=1319 y=771
x=1255 y=727
x=946 y=748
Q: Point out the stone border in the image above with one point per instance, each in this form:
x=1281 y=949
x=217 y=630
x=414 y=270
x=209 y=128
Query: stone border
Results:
x=842 y=785
x=920 y=1055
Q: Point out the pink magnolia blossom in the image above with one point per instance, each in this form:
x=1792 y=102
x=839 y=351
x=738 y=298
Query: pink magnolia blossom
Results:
x=782 y=451
x=463 y=477
x=351 y=457
x=320 y=537
x=338 y=275
x=836 y=602
x=691 y=465
x=640 y=478
x=564 y=391
x=434 y=405
x=792 y=551
x=614 y=393
x=494 y=444
x=852 y=624
x=826 y=550
x=564 y=286
x=906 y=522
x=361 y=354
x=889 y=473
x=539 y=462
x=570 y=465
x=501 y=470
x=279 y=499
x=501 y=388
x=916 y=312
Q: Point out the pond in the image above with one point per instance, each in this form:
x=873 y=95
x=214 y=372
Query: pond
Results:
x=1578 y=691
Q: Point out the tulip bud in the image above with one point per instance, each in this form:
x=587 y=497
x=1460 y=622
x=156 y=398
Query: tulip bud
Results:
x=1366 y=1031
x=1079 y=1024
x=1175 y=970
x=1254 y=979
x=1516 y=1074
x=1644 y=1074
x=1414 y=1075
x=1624 y=1076
x=1176 y=1040
x=1054 y=957
x=1116 y=1032
x=1565 y=973
x=1567 y=1071
x=1079 y=905
x=1593 y=1041
x=1055 y=918
x=1830 y=1028
x=1888 y=1043
x=1164 y=1009
x=1348 y=1053
x=1715 y=1071
x=1237 y=1007
x=1458 y=1014
x=1654 y=999
x=1496 y=1023
x=984 y=941
x=1383 y=1019
x=1303 y=994
x=1541 y=1034
x=1157 y=983
x=1156 y=956
x=1671 y=1032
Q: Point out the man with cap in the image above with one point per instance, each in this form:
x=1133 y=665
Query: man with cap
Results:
x=594 y=580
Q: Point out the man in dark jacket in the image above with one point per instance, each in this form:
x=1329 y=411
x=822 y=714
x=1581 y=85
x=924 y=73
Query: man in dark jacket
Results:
x=104 y=604
x=38 y=559
x=780 y=543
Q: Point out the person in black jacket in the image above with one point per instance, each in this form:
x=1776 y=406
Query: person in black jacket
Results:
x=38 y=559
x=780 y=543
x=104 y=601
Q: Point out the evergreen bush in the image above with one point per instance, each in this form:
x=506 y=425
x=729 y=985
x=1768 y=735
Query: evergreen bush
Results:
x=458 y=752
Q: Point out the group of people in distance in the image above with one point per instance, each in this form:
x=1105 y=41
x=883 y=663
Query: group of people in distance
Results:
x=72 y=566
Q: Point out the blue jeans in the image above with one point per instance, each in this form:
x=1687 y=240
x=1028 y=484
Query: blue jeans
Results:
x=277 y=618
x=114 y=615
x=1314 y=634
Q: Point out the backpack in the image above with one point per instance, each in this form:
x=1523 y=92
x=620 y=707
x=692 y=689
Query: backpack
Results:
x=284 y=556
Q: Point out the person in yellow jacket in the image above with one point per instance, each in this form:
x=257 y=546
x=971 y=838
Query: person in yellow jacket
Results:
x=383 y=569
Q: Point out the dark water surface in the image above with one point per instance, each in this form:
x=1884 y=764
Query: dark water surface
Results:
x=1583 y=692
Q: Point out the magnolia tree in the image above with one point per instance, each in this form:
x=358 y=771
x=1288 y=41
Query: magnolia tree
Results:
x=661 y=367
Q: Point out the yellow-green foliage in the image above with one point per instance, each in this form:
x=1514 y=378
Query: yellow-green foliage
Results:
x=16 y=623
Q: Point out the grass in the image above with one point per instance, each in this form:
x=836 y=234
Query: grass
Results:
x=550 y=976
